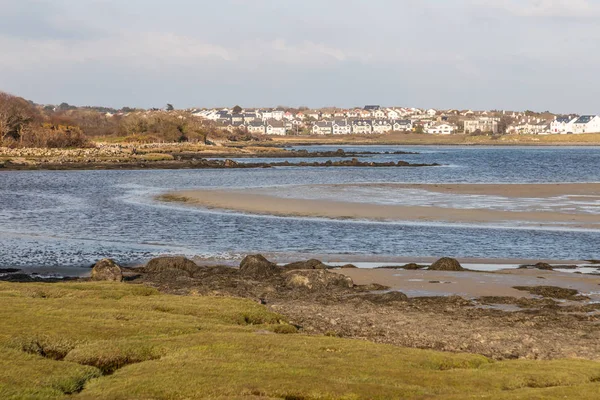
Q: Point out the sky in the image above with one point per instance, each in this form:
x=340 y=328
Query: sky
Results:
x=464 y=54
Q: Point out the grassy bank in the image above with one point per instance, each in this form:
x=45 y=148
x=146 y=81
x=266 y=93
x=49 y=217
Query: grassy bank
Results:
x=120 y=341
x=588 y=139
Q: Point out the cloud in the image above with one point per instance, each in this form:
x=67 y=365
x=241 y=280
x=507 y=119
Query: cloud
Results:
x=546 y=8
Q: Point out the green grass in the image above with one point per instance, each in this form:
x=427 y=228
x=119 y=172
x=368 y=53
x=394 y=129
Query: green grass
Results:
x=121 y=341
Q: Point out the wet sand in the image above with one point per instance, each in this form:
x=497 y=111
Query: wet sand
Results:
x=469 y=284
x=261 y=201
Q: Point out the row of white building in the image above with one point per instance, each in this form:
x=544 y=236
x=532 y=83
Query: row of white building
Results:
x=582 y=124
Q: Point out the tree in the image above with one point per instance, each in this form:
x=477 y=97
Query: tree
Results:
x=237 y=109
x=66 y=107
x=15 y=115
x=170 y=107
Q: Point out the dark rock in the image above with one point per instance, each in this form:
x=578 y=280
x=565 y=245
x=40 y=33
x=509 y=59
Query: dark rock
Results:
x=9 y=270
x=372 y=287
x=162 y=264
x=543 y=266
x=413 y=266
x=107 y=270
x=386 y=298
x=410 y=267
x=553 y=292
x=446 y=264
x=348 y=266
x=258 y=267
x=317 y=280
x=310 y=264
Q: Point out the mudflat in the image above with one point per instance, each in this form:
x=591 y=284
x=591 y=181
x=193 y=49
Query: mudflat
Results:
x=262 y=201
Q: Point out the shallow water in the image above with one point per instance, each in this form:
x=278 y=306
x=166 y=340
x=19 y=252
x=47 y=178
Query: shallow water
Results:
x=66 y=220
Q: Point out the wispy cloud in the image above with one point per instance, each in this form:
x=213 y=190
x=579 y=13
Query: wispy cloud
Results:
x=546 y=8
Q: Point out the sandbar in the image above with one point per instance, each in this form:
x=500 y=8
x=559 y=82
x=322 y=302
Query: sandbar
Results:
x=263 y=202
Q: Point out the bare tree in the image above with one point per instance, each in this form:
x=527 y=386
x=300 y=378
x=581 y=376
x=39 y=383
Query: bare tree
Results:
x=15 y=114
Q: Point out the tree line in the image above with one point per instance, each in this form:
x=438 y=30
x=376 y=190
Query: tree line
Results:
x=25 y=124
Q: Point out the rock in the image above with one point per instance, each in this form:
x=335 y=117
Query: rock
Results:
x=386 y=298
x=348 y=266
x=107 y=270
x=9 y=270
x=310 y=264
x=543 y=266
x=553 y=292
x=162 y=264
x=230 y=163
x=316 y=280
x=446 y=264
x=413 y=267
x=372 y=287
x=410 y=267
x=258 y=267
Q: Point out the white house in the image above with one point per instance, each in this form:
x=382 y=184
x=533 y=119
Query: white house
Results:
x=562 y=125
x=431 y=112
x=403 y=125
x=379 y=114
x=322 y=128
x=341 y=127
x=441 y=129
x=257 y=127
x=273 y=114
x=393 y=114
x=382 y=126
x=587 y=124
x=484 y=124
x=362 y=126
x=275 y=127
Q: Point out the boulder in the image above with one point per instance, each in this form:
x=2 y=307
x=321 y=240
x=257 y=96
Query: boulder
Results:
x=310 y=264
x=349 y=266
x=317 y=280
x=386 y=298
x=446 y=264
x=107 y=270
x=258 y=267
x=162 y=264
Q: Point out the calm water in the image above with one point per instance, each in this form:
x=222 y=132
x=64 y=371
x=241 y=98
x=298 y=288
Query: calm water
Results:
x=65 y=221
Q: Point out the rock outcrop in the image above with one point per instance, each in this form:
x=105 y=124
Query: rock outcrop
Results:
x=446 y=264
x=317 y=280
x=164 y=264
x=258 y=267
x=107 y=270
x=310 y=264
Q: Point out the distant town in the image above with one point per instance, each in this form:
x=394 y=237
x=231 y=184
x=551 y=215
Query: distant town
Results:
x=375 y=119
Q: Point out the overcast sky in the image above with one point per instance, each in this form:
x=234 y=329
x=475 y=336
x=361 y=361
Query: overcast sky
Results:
x=496 y=54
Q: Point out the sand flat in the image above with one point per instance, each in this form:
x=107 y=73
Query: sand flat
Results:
x=261 y=201
x=473 y=284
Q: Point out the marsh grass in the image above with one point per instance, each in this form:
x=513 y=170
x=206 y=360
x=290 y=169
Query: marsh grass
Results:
x=123 y=341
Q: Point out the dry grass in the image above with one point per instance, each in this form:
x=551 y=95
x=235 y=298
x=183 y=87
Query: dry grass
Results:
x=426 y=139
x=122 y=341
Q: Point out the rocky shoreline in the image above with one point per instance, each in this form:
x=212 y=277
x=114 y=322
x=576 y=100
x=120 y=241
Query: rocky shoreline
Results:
x=544 y=323
x=190 y=164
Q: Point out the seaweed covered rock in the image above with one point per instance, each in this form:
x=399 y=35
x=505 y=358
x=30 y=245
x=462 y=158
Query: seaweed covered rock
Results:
x=317 y=280
x=258 y=267
x=310 y=264
x=553 y=292
x=163 y=264
x=386 y=298
x=446 y=264
x=107 y=270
